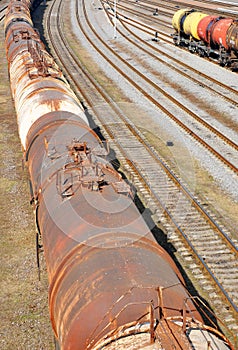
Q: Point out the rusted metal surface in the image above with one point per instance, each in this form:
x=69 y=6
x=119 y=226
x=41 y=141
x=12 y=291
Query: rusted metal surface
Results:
x=232 y=36
x=97 y=244
x=87 y=304
x=34 y=97
x=219 y=31
x=18 y=10
x=107 y=274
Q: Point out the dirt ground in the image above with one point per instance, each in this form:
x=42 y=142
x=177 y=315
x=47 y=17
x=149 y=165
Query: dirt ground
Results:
x=24 y=314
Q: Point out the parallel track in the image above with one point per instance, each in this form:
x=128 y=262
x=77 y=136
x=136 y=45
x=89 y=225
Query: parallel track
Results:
x=174 y=101
x=2 y=13
x=149 y=17
x=156 y=21
x=151 y=31
x=173 y=5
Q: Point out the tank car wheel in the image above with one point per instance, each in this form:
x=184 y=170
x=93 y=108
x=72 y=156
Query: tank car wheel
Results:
x=222 y=61
x=201 y=52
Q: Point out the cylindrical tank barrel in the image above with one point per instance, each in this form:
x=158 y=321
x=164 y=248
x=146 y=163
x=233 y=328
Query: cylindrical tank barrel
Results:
x=107 y=273
x=191 y=23
x=102 y=286
x=232 y=36
x=18 y=12
x=178 y=19
x=219 y=30
x=104 y=265
x=204 y=27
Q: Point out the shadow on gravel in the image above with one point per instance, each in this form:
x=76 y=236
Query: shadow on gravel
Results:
x=37 y=14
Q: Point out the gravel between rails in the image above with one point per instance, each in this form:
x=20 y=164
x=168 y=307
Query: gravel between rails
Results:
x=224 y=177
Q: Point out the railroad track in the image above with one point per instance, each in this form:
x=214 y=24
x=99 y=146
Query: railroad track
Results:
x=209 y=6
x=149 y=9
x=126 y=138
x=180 y=67
x=147 y=28
x=184 y=125
x=157 y=20
x=160 y=188
x=2 y=12
x=147 y=17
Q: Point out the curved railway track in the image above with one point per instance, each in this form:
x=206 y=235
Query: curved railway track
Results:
x=160 y=188
x=209 y=83
x=186 y=126
x=146 y=28
x=2 y=12
x=148 y=9
x=148 y=17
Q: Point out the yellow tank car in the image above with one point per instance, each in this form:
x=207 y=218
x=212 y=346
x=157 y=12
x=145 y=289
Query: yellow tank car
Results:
x=191 y=23
x=178 y=19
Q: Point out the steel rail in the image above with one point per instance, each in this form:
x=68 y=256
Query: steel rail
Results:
x=160 y=106
x=229 y=241
x=168 y=171
x=2 y=10
x=148 y=18
x=153 y=30
x=141 y=14
x=156 y=49
x=185 y=4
